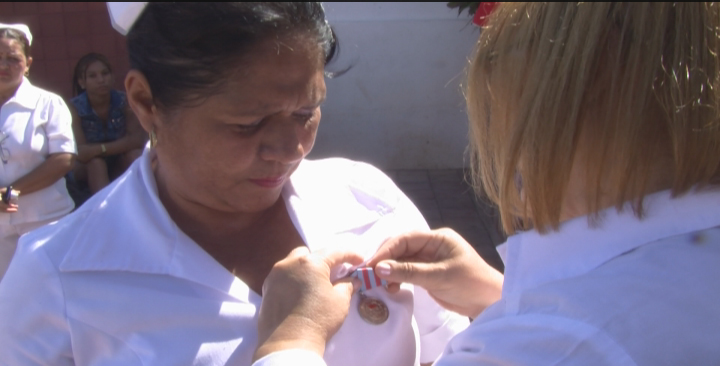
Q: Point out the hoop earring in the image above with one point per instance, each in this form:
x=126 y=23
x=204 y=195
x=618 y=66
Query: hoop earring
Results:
x=153 y=138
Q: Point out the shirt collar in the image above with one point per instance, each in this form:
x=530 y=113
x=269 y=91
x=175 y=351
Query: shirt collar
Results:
x=532 y=259
x=137 y=235
x=26 y=95
x=325 y=201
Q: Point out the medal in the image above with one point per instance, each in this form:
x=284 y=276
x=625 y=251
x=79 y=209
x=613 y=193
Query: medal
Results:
x=371 y=310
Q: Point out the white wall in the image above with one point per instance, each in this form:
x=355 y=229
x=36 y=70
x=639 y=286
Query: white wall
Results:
x=400 y=105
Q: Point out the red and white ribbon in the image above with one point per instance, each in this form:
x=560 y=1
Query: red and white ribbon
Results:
x=368 y=277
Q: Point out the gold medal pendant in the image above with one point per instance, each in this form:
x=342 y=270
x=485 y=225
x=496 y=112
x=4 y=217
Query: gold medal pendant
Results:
x=372 y=310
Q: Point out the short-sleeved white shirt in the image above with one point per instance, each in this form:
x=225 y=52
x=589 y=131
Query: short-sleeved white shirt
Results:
x=628 y=292
x=117 y=283
x=35 y=123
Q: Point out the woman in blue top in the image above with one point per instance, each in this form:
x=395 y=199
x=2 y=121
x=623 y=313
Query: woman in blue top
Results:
x=108 y=135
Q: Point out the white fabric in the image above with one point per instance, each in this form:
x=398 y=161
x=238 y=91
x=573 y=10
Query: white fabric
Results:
x=24 y=29
x=9 y=236
x=628 y=292
x=37 y=123
x=117 y=283
x=124 y=14
x=291 y=357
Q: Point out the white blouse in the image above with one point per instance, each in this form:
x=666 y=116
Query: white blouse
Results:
x=628 y=292
x=34 y=123
x=117 y=283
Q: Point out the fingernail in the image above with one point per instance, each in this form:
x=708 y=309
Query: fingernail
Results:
x=383 y=268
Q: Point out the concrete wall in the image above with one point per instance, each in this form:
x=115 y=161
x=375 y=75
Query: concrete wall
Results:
x=400 y=106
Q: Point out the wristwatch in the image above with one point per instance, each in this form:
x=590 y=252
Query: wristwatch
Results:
x=10 y=196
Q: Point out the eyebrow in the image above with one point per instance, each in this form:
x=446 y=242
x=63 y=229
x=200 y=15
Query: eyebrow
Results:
x=266 y=108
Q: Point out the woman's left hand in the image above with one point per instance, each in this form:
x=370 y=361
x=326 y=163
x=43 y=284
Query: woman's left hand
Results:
x=301 y=307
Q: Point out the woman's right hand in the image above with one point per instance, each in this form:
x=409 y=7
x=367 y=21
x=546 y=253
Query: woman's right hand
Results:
x=301 y=307
x=7 y=207
x=444 y=264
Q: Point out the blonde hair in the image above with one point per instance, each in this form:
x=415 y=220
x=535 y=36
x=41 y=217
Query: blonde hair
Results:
x=635 y=83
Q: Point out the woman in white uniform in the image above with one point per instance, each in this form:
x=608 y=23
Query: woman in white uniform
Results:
x=37 y=147
x=165 y=266
x=595 y=130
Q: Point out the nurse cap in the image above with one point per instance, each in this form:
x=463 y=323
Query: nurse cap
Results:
x=124 y=15
x=22 y=28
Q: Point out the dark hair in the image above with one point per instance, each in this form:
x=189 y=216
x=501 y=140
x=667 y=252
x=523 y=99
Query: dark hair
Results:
x=17 y=35
x=187 y=50
x=81 y=68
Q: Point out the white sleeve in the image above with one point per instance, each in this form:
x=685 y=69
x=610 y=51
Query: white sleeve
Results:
x=436 y=325
x=58 y=127
x=291 y=357
x=533 y=339
x=33 y=327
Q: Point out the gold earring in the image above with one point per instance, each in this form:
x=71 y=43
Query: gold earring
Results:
x=153 y=138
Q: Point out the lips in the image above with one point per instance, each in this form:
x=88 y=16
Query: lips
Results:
x=269 y=182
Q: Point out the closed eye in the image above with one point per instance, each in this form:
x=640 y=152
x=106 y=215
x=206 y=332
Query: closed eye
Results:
x=247 y=127
x=304 y=117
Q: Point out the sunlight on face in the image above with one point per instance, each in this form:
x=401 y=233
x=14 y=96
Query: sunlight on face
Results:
x=13 y=64
x=236 y=150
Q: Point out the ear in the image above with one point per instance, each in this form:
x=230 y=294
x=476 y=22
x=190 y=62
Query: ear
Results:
x=81 y=82
x=28 y=62
x=140 y=98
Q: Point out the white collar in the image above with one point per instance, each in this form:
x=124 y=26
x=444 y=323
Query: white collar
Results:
x=137 y=235
x=323 y=201
x=533 y=259
x=26 y=95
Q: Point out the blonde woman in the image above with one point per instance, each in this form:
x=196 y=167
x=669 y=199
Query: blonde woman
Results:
x=607 y=113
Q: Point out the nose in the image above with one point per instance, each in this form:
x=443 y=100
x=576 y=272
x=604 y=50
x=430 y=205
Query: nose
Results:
x=281 y=142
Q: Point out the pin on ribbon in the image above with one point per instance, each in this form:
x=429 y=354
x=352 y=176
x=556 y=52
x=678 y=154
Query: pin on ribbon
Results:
x=368 y=277
x=371 y=310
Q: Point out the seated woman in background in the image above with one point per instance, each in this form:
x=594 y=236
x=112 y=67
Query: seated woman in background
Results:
x=108 y=135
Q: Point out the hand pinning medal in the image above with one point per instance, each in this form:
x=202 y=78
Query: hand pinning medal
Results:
x=373 y=311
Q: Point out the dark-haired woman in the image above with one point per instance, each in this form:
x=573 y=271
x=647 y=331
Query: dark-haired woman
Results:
x=166 y=265
x=36 y=146
x=108 y=136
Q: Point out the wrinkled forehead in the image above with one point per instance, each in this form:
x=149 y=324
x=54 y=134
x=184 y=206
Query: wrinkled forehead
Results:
x=283 y=63
x=278 y=74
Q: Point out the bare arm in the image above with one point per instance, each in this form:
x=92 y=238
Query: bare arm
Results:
x=134 y=138
x=47 y=173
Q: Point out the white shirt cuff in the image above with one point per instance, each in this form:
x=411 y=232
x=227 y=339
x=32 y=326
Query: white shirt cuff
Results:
x=434 y=343
x=291 y=357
